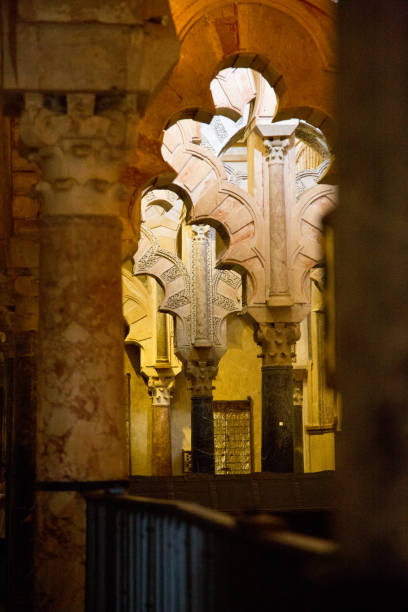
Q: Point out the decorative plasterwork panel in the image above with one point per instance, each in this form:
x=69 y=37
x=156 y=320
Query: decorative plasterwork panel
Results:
x=172 y=274
x=227 y=299
x=200 y=296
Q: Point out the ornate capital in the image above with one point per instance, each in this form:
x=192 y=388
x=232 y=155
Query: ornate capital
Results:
x=201 y=375
x=161 y=389
x=200 y=233
x=276 y=150
x=276 y=340
x=80 y=143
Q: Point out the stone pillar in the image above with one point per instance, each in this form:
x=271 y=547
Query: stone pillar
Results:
x=161 y=388
x=81 y=419
x=371 y=251
x=278 y=140
x=278 y=283
x=202 y=252
x=201 y=375
x=276 y=340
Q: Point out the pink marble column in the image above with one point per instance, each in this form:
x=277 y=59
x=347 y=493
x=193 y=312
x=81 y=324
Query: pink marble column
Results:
x=161 y=388
x=279 y=140
x=81 y=414
x=279 y=283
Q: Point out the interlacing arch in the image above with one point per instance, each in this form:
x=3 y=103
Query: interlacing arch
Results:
x=203 y=157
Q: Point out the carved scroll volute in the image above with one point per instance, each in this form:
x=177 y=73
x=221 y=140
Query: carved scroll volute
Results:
x=276 y=341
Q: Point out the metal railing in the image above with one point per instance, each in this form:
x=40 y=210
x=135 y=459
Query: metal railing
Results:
x=159 y=556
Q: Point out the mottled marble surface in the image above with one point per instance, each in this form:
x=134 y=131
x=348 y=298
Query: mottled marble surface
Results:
x=81 y=414
x=161 y=442
x=60 y=551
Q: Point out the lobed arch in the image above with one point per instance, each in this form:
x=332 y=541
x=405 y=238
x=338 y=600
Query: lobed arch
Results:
x=315 y=117
x=224 y=86
x=138 y=312
x=320 y=12
x=197 y=169
x=168 y=270
x=181 y=290
x=232 y=90
x=140 y=307
x=219 y=34
x=305 y=236
x=236 y=212
x=163 y=212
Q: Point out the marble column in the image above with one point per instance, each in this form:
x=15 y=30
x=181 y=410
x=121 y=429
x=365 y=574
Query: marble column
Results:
x=201 y=375
x=276 y=340
x=279 y=142
x=202 y=255
x=278 y=283
x=161 y=388
x=80 y=418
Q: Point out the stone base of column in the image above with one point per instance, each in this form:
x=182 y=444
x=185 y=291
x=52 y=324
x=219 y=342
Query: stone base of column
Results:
x=202 y=434
x=161 y=441
x=277 y=419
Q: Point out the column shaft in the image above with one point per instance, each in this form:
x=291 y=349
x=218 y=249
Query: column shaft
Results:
x=276 y=340
x=161 y=441
x=202 y=434
x=161 y=388
x=277 y=419
x=277 y=215
x=81 y=417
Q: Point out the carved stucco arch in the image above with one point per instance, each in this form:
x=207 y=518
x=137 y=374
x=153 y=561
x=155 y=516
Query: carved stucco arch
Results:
x=178 y=283
x=305 y=236
x=138 y=312
x=168 y=270
x=314 y=116
x=236 y=211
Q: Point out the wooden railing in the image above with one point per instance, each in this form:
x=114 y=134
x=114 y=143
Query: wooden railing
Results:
x=160 y=556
